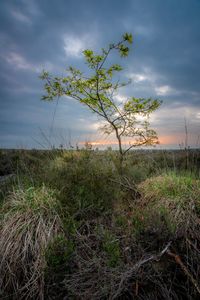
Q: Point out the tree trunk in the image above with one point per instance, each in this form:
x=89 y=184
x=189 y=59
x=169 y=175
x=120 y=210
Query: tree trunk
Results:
x=121 y=154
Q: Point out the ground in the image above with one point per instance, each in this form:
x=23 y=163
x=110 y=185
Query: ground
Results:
x=73 y=226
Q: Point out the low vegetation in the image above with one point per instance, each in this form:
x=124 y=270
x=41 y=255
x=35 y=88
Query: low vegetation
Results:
x=74 y=227
x=30 y=221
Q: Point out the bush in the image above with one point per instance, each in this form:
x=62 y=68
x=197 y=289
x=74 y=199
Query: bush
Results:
x=84 y=181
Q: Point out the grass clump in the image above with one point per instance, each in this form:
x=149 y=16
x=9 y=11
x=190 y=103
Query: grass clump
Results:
x=172 y=198
x=172 y=185
x=30 y=222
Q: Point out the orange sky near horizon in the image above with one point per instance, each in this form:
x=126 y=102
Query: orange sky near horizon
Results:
x=163 y=140
x=174 y=141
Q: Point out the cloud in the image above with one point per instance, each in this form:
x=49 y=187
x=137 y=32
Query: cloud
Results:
x=19 y=62
x=198 y=115
x=74 y=45
x=138 y=77
x=19 y=16
x=120 y=98
x=146 y=75
x=163 y=90
x=153 y=81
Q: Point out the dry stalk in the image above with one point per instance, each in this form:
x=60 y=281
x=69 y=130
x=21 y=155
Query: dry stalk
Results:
x=128 y=274
x=185 y=270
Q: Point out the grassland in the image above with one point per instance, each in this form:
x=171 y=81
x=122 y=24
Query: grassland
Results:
x=74 y=227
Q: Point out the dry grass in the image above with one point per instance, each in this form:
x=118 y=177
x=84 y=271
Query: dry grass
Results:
x=154 y=269
x=29 y=223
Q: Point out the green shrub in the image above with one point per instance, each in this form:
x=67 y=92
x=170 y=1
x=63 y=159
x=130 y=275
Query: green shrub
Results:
x=84 y=181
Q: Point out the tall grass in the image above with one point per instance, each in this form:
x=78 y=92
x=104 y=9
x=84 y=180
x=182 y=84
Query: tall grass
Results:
x=30 y=221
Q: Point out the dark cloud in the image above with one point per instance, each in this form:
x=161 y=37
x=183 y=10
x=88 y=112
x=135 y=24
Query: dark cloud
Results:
x=37 y=34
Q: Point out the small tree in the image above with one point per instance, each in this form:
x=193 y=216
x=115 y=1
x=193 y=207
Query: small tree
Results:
x=128 y=120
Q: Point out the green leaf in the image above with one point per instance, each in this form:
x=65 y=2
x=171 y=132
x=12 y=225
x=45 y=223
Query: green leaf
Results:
x=88 y=53
x=128 y=37
x=123 y=50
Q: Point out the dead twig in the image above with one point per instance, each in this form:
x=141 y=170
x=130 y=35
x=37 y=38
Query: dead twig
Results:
x=192 y=244
x=185 y=270
x=126 y=186
x=128 y=274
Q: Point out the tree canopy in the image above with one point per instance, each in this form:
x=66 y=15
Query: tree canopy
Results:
x=98 y=90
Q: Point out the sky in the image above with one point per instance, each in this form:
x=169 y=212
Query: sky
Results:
x=164 y=63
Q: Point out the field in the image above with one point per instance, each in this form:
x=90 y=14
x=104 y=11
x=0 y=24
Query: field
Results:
x=76 y=226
